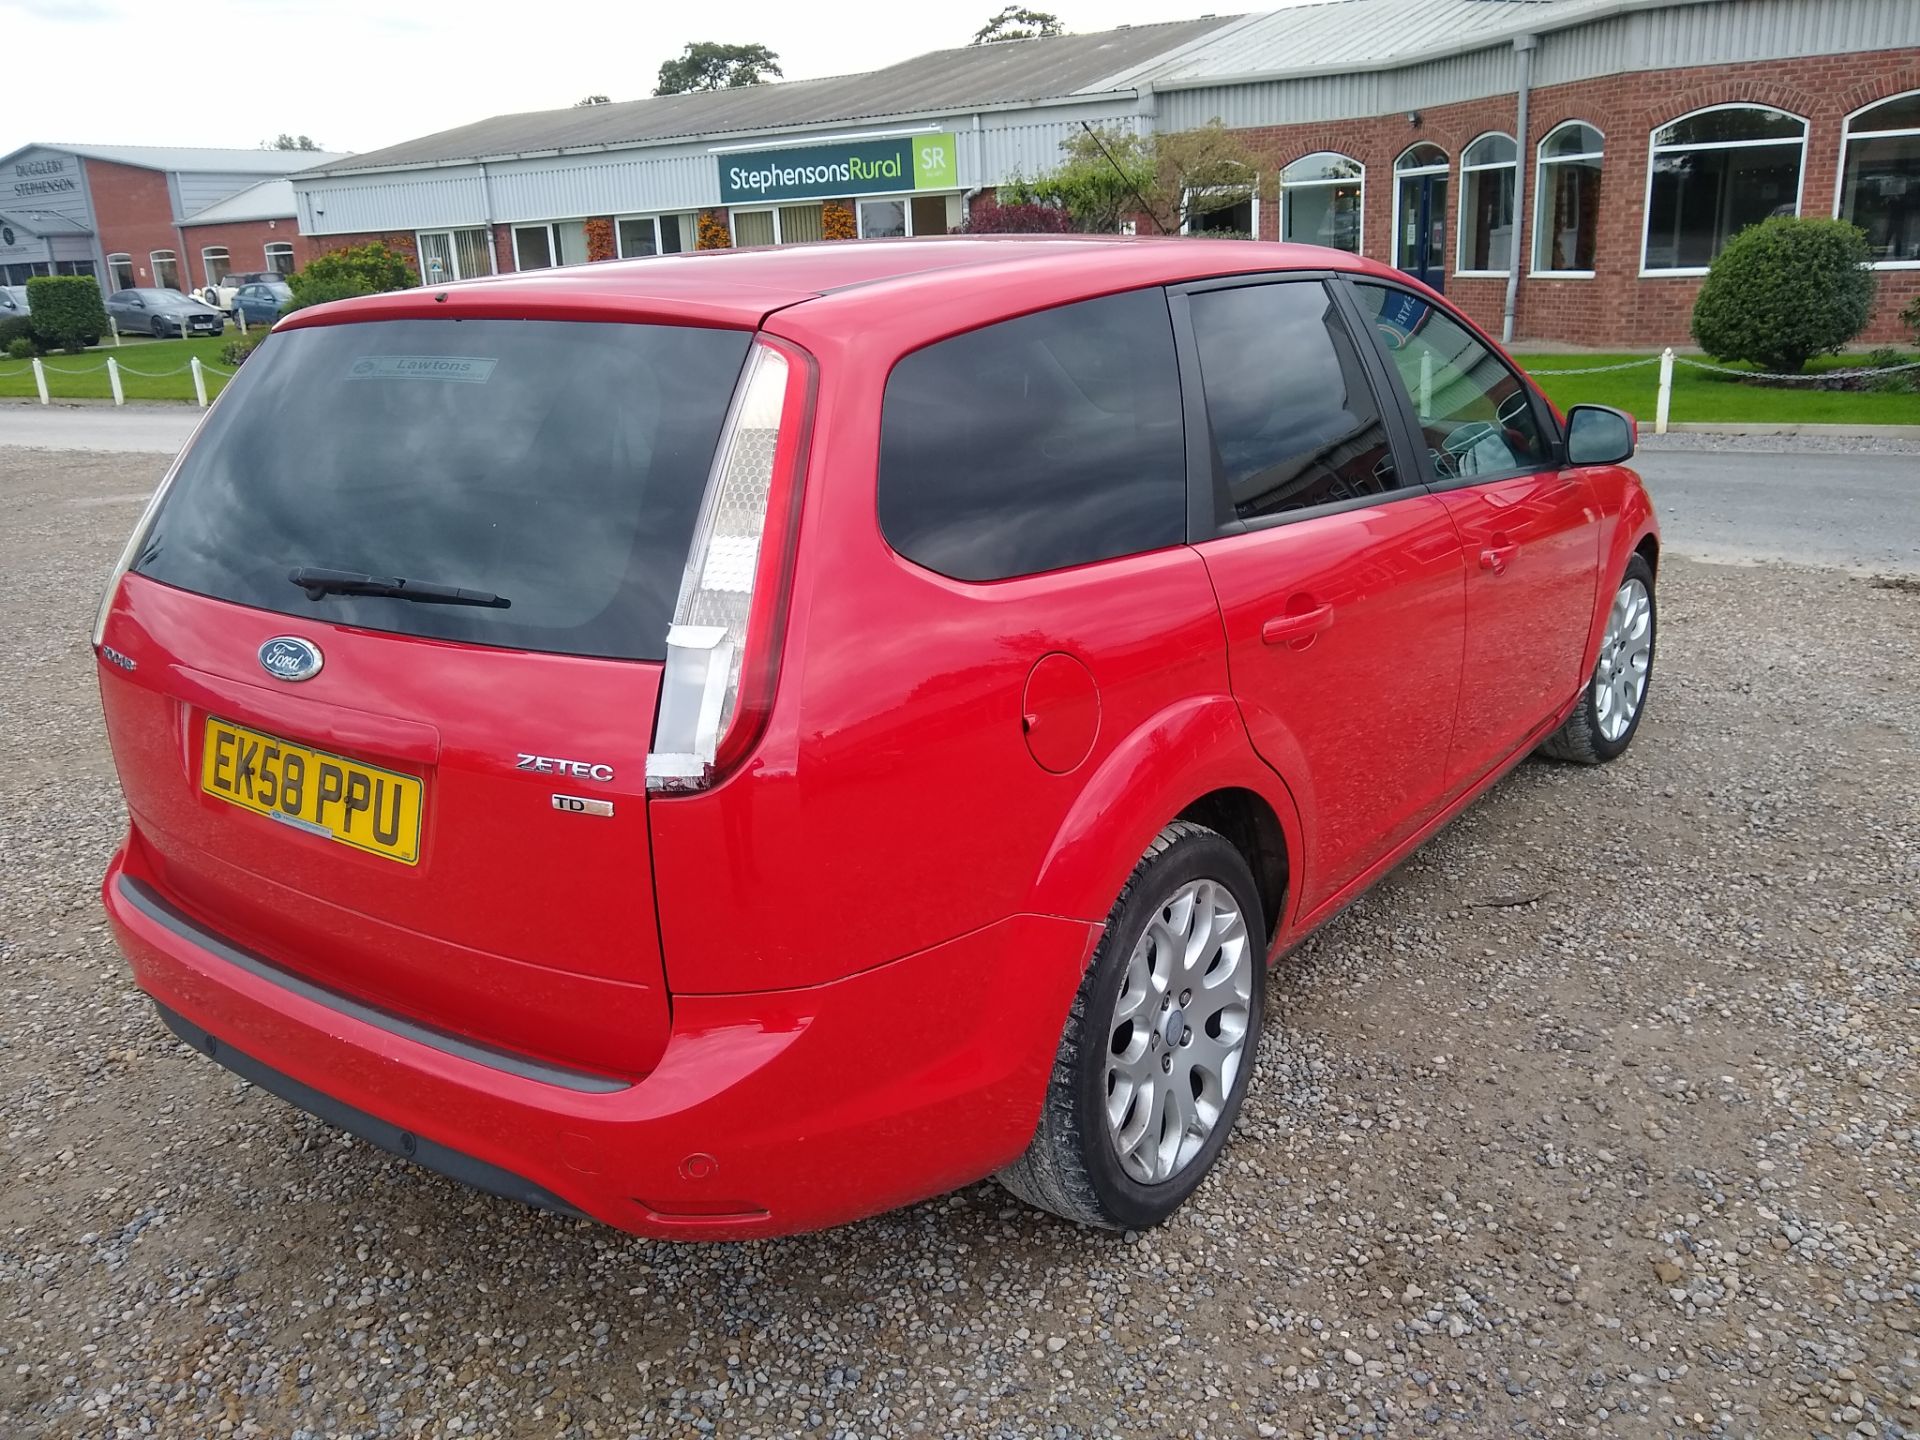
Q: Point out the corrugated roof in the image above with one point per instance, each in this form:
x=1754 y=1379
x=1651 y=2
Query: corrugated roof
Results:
x=1333 y=35
x=42 y=222
x=189 y=157
x=267 y=200
x=1007 y=72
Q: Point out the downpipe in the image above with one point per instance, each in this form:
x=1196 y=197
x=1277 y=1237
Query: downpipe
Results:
x=1524 y=45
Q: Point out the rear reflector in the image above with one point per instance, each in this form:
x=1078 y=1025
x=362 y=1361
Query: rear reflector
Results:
x=708 y=640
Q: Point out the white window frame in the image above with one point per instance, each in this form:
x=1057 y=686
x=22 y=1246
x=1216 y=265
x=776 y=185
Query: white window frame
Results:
x=773 y=210
x=1847 y=136
x=689 y=237
x=1186 y=216
x=514 y=228
x=1286 y=187
x=133 y=279
x=266 y=255
x=1416 y=172
x=1460 y=205
x=453 y=250
x=207 y=251
x=1654 y=149
x=153 y=265
x=1541 y=164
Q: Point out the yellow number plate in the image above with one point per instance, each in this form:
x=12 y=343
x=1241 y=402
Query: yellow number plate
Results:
x=339 y=799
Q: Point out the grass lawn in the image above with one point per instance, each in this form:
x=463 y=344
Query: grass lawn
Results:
x=1699 y=396
x=16 y=376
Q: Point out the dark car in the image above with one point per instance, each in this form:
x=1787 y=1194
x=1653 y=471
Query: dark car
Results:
x=163 y=312
x=261 y=302
x=13 y=302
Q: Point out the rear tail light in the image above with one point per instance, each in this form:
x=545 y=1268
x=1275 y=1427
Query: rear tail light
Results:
x=723 y=648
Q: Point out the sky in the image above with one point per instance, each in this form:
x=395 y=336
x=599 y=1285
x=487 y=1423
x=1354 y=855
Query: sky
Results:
x=358 y=76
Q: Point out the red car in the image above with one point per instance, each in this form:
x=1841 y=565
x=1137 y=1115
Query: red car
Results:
x=728 y=744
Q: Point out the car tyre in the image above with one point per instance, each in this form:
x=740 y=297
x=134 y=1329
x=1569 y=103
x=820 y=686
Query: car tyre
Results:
x=159 y=333
x=1101 y=1153
x=1607 y=716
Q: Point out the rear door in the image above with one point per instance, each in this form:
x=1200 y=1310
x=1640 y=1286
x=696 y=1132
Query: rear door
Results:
x=1529 y=525
x=1339 y=583
x=436 y=807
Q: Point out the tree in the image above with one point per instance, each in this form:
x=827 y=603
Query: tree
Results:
x=993 y=218
x=1016 y=22
x=1784 y=291
x=284 y=141
x=355 y=270
x=708 y=65
x=1110 y=174
x=592 y=100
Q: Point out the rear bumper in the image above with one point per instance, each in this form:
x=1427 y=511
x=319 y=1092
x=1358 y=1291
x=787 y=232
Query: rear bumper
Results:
x=768 y=1113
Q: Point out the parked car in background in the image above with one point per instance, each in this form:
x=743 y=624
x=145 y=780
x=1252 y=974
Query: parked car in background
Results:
x=730 y=747
x=221 y=295
x=262 y=301
x=141 y=311
x=13 y=302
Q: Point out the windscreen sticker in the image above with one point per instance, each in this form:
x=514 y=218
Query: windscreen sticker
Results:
x=473 y=369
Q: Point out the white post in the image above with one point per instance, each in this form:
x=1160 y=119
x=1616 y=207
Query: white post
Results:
x=113 y=379
x=1426 y=384
x=199 y=381
x=240 y=314
x=1665 y=402
x=40 y=379
x=115 y=326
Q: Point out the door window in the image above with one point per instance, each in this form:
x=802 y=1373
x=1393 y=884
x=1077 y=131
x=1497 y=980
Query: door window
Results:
x=1477 y=415
x=1292 y=416
x=1051 y=440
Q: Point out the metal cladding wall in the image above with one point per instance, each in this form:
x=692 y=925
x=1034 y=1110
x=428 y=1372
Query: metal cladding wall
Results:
x=683 y=176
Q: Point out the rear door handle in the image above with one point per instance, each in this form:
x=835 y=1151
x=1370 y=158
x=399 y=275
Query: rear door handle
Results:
x=1497 y=557
x=1285 y=629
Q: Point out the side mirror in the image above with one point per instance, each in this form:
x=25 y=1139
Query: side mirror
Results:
x=1600 y=435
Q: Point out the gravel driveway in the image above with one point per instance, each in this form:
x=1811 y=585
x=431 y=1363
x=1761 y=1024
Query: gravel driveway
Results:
x=1598 y=1118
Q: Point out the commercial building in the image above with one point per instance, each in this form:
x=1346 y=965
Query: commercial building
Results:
x=166 y=216
x=1580 y=161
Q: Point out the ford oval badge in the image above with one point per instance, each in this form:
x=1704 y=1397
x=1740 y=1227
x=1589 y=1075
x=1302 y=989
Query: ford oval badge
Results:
x=288 y=657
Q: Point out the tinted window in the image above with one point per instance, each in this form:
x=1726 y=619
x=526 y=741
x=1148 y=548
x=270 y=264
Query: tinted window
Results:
x=1037 y=443
x=1291 y=413
x=558 y=465
x=1476 y=413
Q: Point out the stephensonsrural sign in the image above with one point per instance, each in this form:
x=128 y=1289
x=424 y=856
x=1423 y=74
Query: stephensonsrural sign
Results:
x=842 y=169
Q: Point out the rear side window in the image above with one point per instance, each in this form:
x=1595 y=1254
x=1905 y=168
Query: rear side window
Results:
x=558 y=466
x=1293 y=419
x=1038 y=443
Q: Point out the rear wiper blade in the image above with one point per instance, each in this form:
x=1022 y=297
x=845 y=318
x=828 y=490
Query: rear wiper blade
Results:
x=318 y=582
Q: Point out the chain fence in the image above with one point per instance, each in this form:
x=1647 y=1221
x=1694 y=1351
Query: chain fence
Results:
x=114 y=368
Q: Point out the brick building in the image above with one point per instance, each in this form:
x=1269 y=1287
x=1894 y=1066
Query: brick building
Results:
x=165 y=216
x=1587 y=158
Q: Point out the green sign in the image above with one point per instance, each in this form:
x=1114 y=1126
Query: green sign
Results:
x=843 y=169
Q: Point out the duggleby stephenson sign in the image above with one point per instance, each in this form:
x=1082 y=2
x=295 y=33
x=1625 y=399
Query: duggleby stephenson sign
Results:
x=837 y=170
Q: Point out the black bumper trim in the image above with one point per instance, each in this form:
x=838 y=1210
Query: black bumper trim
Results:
x=149 y=903
x=441 y=1159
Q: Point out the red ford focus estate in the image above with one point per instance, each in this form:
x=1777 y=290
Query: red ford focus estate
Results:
x=728 y=744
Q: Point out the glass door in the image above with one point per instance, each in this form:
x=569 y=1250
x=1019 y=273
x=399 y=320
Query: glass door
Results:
x=436 y=259
x=1422 y=224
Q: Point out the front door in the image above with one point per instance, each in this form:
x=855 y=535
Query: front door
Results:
x=436 y=258
x=1339 y=577
x=1529 y=528
x=1422 y=225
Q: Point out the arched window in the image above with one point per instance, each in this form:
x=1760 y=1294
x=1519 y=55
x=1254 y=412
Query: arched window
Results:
x=280 y=257
x=1323 y=200
x=1712 y=174
x=166 y=270
x=1420 y=212
x=1880 y=178
x=213 y=263
x=120 y=271
x=1566 y=217
x=1489 y=175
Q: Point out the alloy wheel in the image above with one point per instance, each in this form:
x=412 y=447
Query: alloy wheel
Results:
x=1178 y=1031
x=1626 y=657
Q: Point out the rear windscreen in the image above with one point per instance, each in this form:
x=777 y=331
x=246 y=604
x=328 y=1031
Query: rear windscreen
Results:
x=556 y=466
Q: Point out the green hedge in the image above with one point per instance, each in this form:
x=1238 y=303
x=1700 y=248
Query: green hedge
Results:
x=1784 y=291
x=68 y=313
x=15 y=327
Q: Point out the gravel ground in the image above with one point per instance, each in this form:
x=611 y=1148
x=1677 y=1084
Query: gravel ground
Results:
x=1598 y=1117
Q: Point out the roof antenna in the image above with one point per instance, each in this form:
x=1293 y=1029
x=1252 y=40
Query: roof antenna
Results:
x=1147 y=209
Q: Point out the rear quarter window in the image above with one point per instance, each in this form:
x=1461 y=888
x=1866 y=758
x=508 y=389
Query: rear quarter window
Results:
x=1037 y=443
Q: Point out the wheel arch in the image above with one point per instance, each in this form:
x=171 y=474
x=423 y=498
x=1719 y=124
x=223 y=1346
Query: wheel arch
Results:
x=1191 y=761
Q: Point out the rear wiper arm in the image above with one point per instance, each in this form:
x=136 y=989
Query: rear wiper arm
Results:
x=318 y=582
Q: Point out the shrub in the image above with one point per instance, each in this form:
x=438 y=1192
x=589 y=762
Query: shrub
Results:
x=20 y=348
x=1784 y=291
x=68 y=313
x=369 y=269
x=714 y=234
x=1025 y=218
x=1910 y=317
x=837 y=222
x=236 y=350
x=16 y=327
